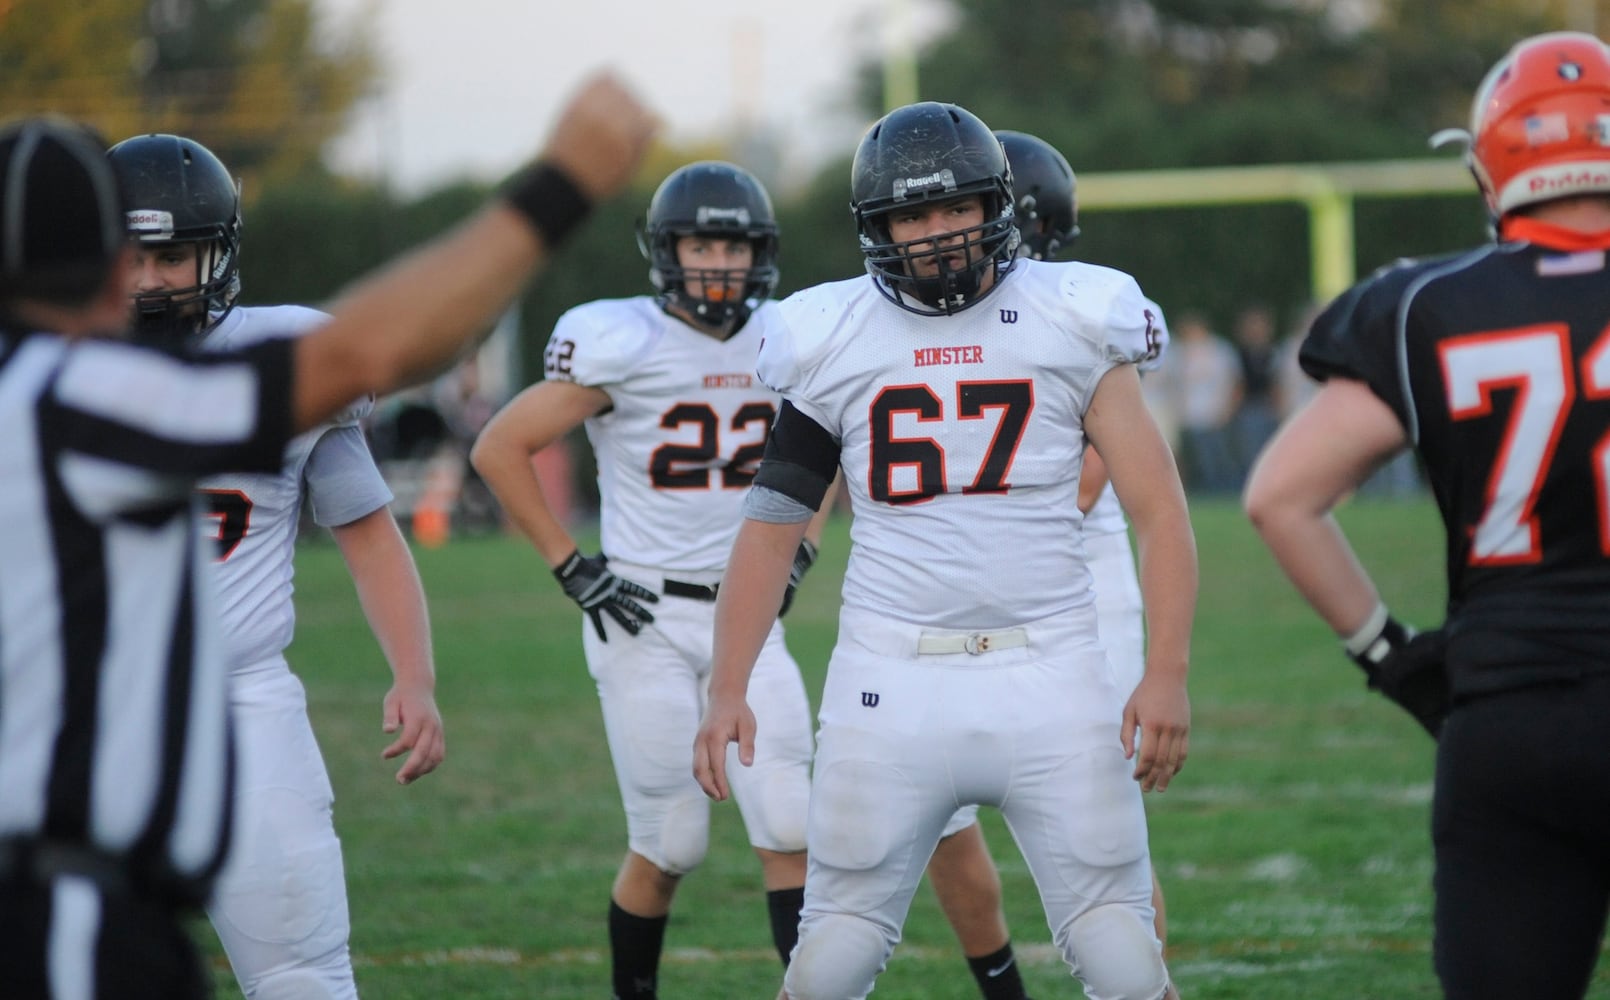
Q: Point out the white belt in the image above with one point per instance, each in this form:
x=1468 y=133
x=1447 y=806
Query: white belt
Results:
x=930 y=643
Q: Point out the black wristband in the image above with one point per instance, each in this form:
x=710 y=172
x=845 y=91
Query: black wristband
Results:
x=548 y=197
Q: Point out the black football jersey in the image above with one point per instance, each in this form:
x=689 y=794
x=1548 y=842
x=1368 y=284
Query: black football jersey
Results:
x=1497 y=363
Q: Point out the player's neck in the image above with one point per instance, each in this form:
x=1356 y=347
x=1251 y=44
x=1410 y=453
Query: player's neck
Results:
x=1586 y=214
x=717 y=331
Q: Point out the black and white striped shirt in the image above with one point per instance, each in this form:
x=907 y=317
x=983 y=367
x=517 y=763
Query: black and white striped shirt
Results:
x=113 y=712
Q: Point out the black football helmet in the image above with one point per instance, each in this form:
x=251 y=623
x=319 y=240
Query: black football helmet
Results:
x=931 y=152
x=179 y=192
x=1047 y=207
x=710 y=198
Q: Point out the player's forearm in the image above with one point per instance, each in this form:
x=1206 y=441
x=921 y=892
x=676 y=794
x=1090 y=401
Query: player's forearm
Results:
x=1167 y=568
x=746 y=607
x=392 y=596
x=1312 y=551
x=1316 y=459
x=508 y=472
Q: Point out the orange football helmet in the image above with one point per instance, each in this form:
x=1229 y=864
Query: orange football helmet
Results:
x=1540 y=123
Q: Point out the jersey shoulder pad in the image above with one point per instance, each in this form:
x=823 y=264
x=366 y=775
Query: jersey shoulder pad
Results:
x=803 y=327
x=1357 y=333
x=246 y=325
x=598 y=343
x=1107 y=309
x=1154 y=361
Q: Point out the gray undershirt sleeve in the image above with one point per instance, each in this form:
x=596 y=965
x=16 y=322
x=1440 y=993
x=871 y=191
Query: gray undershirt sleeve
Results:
x=772 y=507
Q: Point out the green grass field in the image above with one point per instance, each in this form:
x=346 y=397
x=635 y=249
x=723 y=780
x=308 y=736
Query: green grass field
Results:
x=1294 y=848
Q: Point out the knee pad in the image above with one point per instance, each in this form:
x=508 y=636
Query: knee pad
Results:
x=684 y=836
x=837 y=958
x=779 y=805
x=1115 y=954
x=304 y=984
x=281 y=904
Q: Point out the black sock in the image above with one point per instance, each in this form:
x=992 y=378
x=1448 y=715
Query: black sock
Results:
x=784 y=906
x=634 y=949
x=997 y=975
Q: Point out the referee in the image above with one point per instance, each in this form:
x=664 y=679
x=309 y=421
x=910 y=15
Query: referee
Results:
x=115 y=755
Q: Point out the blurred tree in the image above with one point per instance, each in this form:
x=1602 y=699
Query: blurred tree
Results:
x=263 y=83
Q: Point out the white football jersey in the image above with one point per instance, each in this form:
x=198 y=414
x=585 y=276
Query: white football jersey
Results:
x=1106 y=517
x=961 y=436
x=254 y=517
x=679 y=447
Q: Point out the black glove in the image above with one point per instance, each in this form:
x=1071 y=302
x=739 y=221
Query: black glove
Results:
x=1411 y=669
x=589 y=583
x=804 y=559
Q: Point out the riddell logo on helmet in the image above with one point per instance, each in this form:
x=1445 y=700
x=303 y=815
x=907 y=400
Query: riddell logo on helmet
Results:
x=945 y=179
x=149 y=220
x=708 y=214
x=1565 y=182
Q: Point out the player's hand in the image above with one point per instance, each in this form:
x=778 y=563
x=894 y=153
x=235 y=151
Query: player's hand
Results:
x=589 y=583
x=411 y=713
x=1161 y=711
x=727 y=720
x=804 y=559
x=1410 y=668
x=601 y=137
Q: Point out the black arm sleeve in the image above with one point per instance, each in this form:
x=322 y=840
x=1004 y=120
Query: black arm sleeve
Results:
x=801 y=457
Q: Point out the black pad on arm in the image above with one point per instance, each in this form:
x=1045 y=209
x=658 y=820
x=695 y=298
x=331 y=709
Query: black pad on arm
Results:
x=801 y=458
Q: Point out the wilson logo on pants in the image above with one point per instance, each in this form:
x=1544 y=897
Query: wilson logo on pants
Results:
x=869 y=699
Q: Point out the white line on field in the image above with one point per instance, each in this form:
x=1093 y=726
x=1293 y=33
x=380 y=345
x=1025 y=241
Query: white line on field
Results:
x=1216 y=960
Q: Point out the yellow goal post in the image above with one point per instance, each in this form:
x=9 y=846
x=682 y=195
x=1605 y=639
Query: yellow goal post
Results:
x=1327 y=190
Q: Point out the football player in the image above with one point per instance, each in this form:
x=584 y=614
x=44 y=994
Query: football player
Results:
x=1048 y=219
x=280 y=908
x=665 y=386
x=1493 y=364
x=955 y=385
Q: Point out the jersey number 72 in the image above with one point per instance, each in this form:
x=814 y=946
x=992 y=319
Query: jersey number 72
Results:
x=1537 y=363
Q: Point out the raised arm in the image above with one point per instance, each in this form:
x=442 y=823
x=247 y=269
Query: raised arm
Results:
x=414 y=316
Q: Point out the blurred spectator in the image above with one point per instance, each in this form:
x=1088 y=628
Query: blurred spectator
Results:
x=1257 y=416
x=421 y=439
x=464 y=408
x=1202 y=381
x=1293 y=386
x=1400 y=476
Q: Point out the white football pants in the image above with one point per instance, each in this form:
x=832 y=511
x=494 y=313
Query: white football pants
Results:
x=653 y=688
x=280 y=908
x=906 y=738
